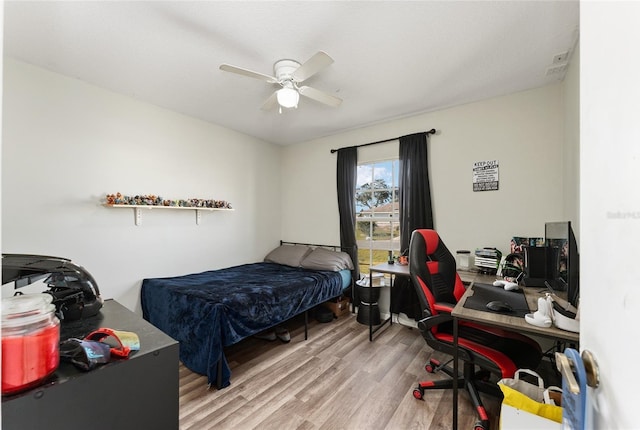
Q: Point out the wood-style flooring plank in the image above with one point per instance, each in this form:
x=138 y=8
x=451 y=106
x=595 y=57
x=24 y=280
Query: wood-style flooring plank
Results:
x=336 y=379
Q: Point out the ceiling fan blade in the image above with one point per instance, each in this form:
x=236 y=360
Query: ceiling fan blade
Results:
x=320 y=96
x=249 y=73
x=270 y=102
x=312 y=66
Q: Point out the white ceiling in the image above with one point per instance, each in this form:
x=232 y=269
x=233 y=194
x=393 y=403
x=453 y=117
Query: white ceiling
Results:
x=392 y=59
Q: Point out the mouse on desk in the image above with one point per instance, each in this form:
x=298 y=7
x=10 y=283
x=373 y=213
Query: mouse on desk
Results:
x=499 y=306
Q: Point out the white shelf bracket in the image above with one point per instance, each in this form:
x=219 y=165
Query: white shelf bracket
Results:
x=137 y=215
x=138 y=209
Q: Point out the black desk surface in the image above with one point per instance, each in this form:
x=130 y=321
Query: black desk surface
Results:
x=140 y=392
x=485 y=293
x=511 y=322
x=112 y=315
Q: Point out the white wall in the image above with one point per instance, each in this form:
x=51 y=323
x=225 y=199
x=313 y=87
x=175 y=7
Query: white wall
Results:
x=571 y=152
x=66 y=144
x=523 y=131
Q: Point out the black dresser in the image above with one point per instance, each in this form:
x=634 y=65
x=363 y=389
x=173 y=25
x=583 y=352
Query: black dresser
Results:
x=140 y=392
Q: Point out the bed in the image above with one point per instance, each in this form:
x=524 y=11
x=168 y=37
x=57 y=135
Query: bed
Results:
x=211 y=310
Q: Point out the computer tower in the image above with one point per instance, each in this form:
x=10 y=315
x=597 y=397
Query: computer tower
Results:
x=535 y=266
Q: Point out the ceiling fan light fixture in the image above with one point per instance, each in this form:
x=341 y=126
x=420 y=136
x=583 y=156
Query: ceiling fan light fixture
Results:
x=289 y=74
x=288 y=97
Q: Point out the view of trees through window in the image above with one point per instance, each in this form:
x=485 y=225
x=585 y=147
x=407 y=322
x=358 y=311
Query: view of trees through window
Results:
x=377 y=217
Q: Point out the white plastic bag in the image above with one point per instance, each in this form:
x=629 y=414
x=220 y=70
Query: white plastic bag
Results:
x=535 y=392
x=526 y=405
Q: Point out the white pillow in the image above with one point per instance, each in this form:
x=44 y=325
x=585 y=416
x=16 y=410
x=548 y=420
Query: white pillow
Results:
x=288 y=255
x=325 y=259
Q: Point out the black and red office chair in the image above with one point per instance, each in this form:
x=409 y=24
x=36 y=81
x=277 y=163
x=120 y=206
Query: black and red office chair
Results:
x=490 y=350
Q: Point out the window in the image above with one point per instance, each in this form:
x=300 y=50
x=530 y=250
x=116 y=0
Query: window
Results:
x=377 y=216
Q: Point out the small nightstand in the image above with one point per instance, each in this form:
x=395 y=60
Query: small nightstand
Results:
x=140 y=392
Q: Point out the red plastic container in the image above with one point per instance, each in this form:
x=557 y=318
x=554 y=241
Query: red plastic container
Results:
x=30 y=341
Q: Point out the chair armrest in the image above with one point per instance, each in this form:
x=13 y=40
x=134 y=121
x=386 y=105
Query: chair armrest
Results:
x=426 y=324
x=429 y=322
x=444 y=307
x=444 y=314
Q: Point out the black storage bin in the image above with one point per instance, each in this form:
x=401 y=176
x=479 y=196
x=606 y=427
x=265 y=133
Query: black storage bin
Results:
x=368 y=294
x=368 y=309
x=368 y=313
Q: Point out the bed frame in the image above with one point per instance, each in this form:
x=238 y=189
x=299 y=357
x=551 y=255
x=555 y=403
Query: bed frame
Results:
x=306 y=313
x=333 y=248
x=219 y=307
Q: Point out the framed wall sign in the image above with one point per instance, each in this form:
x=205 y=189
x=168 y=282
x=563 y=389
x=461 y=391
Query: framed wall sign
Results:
x=485 y=175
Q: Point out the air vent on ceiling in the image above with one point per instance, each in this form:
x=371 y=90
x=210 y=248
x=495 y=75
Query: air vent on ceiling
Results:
x=557 y=69
x=561 y=57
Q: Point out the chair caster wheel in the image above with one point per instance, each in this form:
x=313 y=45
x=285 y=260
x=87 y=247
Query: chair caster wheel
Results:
x=431 y=366
x=480 y=426
x=417 y=393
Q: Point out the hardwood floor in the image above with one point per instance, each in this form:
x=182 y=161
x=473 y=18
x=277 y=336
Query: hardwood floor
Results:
x=336 y=379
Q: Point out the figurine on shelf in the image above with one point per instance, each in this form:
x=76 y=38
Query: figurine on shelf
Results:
x=114 y=199
x=155 y=200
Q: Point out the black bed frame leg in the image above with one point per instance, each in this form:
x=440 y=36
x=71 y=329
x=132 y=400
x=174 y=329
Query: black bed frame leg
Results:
x=219 y=375
x=306 y=322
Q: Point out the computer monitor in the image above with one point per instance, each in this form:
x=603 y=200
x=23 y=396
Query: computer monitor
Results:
x=562 y=258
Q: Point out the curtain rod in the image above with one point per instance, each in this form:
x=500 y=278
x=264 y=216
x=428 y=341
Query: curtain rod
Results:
x=432 y=131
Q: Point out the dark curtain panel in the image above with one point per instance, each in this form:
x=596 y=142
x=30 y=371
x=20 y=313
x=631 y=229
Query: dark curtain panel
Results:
x=415 y=212
x=347 y=176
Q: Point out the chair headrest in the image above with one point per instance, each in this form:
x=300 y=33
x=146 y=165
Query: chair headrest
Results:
x=431 y=239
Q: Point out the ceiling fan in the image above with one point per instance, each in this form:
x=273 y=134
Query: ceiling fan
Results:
x=289 y=74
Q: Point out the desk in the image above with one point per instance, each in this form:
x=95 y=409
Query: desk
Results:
x=393 y=270
x=503 y=321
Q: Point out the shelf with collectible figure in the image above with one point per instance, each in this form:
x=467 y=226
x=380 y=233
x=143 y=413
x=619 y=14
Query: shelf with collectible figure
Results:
x=147 y=202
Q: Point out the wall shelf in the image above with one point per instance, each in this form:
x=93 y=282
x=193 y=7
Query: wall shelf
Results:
x=137 y=210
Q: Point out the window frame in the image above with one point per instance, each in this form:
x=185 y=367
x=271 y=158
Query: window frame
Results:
x=370 y=250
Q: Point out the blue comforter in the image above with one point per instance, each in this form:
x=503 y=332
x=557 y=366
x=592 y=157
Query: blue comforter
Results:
x=207 y=311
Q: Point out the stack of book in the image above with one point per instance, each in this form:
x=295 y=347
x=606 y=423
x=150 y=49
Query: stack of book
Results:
x=487 y=260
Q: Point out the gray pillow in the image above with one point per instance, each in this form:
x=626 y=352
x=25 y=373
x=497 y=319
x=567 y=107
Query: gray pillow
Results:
x=289 y=255
x=325 y=259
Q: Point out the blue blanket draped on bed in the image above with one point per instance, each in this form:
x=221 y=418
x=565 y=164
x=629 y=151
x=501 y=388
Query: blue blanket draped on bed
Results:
x=207 y=311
